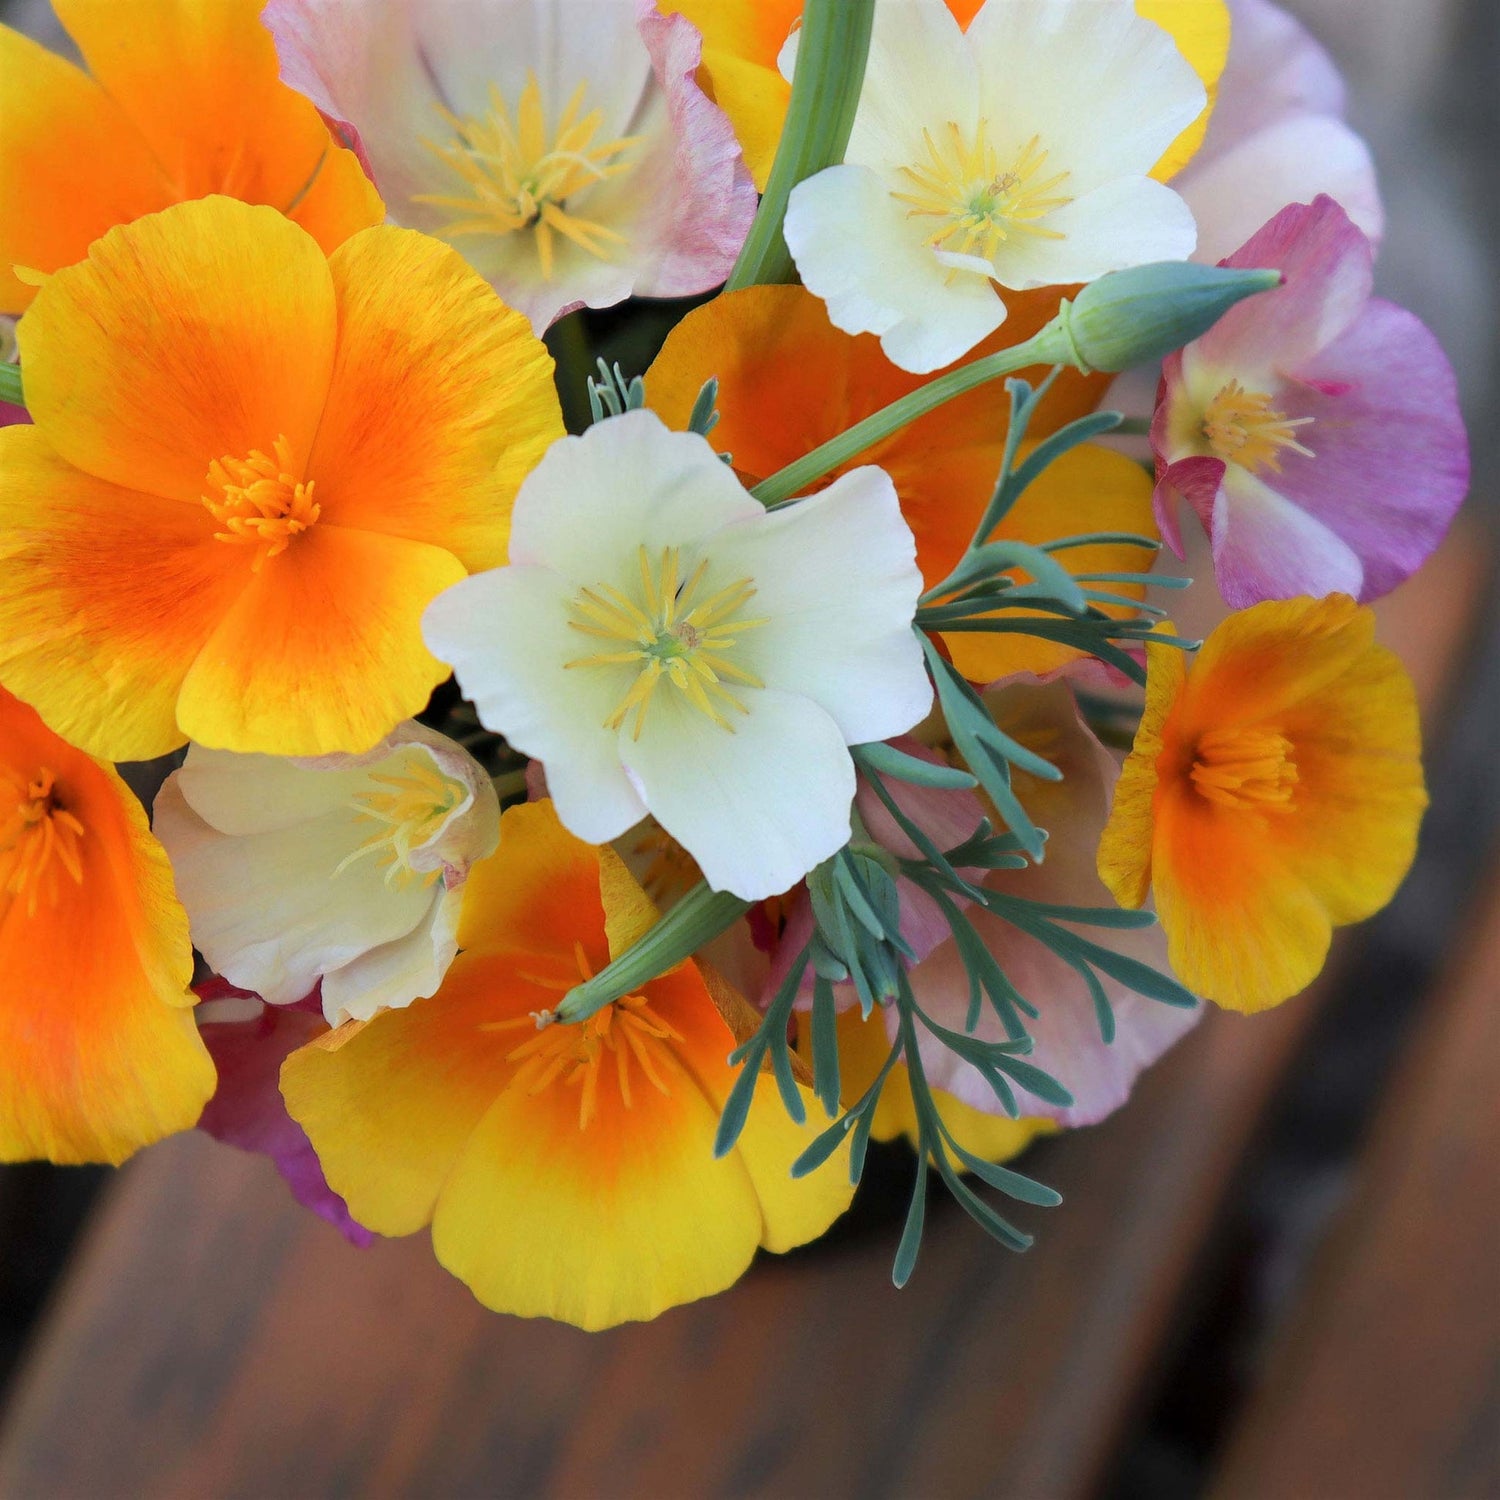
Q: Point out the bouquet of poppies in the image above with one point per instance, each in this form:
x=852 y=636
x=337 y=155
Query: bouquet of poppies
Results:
x=589 y=801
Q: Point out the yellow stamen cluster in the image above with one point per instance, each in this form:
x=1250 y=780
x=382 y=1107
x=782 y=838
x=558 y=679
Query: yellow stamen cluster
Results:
x=260 y=502
x=1242 y=427
x=669 y=633
x=1245 y=767
x=38 y=837
x=670 y=871
x=979 y=202
x=409 y=816
x=518 y=175
x=628 y=1031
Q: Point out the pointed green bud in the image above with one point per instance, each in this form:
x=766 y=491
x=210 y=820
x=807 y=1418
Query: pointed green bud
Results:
x=1140 y=316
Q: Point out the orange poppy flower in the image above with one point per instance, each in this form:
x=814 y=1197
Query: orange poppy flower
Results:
x=182 y=98
x=789 y=380
x=567 y=1172
x=1274 y=792
x=252 y=468
x=742 y=40
x=99 y=1053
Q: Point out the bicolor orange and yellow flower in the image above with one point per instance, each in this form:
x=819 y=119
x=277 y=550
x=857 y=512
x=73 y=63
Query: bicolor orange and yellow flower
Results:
x=99 y=1053
x=252 y=466
x=181 y=99
x=1274 y=793
x=789 y=380
x=568 y=1171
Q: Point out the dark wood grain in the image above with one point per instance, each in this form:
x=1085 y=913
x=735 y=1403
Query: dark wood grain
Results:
x=1386 y=1381
x=212 y=1340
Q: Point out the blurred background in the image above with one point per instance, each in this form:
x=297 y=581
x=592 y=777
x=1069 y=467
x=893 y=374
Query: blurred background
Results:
x=1277 y=1272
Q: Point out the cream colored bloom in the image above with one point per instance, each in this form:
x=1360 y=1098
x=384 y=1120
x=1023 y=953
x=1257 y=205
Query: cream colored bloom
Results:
x=346 y=868
x=663 y=644
x=1018 y=152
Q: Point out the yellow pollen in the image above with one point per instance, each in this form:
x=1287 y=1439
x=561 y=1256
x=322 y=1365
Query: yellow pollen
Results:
x=1246 y=768
x=980 y=203
x=408 y=816
x=625 y=1035
x=1242 y=427
x=666 y=632
x=38 y=836
x=518 y=175
x=260 y=502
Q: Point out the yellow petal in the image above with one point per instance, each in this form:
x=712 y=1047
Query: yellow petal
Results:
x=1201 y=30
x=323 y=649
x=203 y=331
x=106 y=597
x=440 y=403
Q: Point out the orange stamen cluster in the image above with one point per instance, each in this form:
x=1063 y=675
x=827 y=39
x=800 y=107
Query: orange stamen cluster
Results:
x=1245 y=767
x=628 y=1031
x=38 y=836
x=260 y=502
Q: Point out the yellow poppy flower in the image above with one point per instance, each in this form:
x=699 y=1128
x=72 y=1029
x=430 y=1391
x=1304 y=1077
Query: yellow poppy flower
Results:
x=1274 y=792
x=567 y=1172
x=99 y=1053
x=253 y=465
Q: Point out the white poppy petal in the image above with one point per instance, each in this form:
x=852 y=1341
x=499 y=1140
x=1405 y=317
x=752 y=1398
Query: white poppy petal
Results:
x=837 y=579
x=757 y=808
x=856 y=249
x=396 y=973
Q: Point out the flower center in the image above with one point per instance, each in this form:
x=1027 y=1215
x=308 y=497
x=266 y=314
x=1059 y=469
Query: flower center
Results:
x=980 y=200
x=622 y=1037
x=409 y=814
x=670 y=633
x=1245 y=768
x=260 y=503
x=38 y=836
x=518 y=175
x=1242 y=427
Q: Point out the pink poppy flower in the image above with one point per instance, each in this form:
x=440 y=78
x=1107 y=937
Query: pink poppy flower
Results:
x=1314 y=430
x=573 y=160
x=249 y=1040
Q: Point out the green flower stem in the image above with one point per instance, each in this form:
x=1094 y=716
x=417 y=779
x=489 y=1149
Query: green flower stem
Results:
x=701 y=915
x=831 y=53
x=10 y=385
x=827 y=457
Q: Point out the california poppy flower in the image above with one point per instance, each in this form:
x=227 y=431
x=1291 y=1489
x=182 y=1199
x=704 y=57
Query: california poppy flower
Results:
x=99 y=1054
x=566 y=1171
x=1274 y=793
x=179 y=101
x=789 y=380
x=252 y=466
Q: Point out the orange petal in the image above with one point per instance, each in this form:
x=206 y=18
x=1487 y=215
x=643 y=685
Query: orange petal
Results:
x=99 y=1052
x=323 y=650
x=106 y=597
x=539 y=893
x=71 y=165
x=441 y=400
x=200 y=81
x=202 y=331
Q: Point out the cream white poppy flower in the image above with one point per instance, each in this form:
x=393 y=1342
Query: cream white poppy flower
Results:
x=666 y=645
x=344 y=868
x=1018 y=152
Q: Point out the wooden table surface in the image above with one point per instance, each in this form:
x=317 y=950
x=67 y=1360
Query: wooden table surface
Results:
x=210 y=1339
